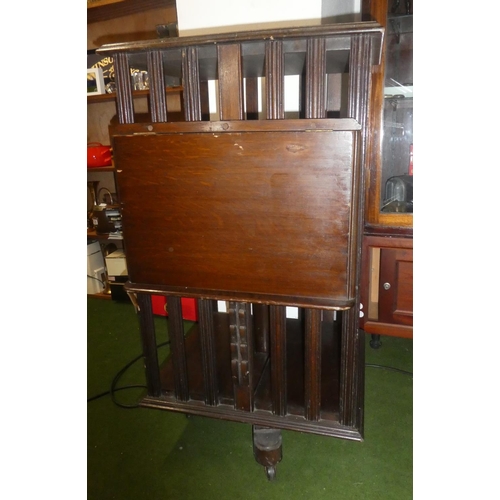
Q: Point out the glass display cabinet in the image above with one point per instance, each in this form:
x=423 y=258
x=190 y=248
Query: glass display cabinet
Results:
x=387 y=261
x=397 y=138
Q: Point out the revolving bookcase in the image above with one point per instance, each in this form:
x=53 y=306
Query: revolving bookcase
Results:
x=257 y=208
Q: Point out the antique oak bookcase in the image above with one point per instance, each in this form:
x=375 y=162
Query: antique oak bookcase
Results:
x=261 y=211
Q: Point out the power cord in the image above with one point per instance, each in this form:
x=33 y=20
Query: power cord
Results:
x=97 y=279
x=116 y=380
x=392 y=369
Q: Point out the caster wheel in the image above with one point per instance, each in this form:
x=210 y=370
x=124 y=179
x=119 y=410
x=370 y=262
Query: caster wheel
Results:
x=271 y=473
x=375 y=342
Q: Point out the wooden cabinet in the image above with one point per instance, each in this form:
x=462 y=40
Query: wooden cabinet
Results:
x=387 y=286
x=387 y=260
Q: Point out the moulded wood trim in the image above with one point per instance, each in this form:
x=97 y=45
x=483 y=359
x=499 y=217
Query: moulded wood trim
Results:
x=403 y=331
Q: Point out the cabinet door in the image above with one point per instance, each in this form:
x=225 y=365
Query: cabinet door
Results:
x=396 y=286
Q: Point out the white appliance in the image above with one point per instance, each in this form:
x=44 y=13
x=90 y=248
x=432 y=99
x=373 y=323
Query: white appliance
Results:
x=96 y=270
x=116 y=263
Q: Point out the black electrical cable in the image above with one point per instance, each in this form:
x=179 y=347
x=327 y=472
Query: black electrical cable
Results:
x=97 y=279
x=117 y=378
x=392 y=369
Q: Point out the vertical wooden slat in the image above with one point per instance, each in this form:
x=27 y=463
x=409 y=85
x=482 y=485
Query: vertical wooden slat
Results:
x=352 y=360
x=177 y=346
x=205 y=103
x=352 y=371
x=148 y=336
x=278 y=359
x=124 y=102
x=359 y=78
x=208 y=356
x=312 y=384
x=315 y=78
x=241 y=354
x=302 y=96
x=261 y=327
x=230 y=82
x=191 y=83
x=157 y=95
x=358 y=108
x=252 y=98
x=275 y=80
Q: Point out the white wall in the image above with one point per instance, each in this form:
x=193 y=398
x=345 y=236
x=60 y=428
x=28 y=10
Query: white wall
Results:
x=198 y=17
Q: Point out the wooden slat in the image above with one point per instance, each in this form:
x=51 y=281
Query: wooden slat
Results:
x=205 y=103
x=315 y=106
x=352 y=371
x=296 y=125
x=312 y=334
x=158 y=98
x=230 y=82
x=124 y=102
x=191 y=79
x=278 y=359
x=359 y=78
x=241 y=354
x=358 y=108
x=252 y=98
x=208 y=356
x=275 y=80
x=148 y=337
x=177 y=346
x=261 y=327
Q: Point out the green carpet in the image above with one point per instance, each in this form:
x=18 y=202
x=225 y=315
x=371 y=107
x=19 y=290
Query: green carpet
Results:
x=151 y=454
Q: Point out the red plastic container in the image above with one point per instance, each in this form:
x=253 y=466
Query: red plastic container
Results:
x=98 y=155
x=189 y=307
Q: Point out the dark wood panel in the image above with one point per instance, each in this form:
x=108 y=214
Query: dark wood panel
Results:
x=264 y=213
x=396 y=286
